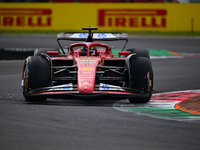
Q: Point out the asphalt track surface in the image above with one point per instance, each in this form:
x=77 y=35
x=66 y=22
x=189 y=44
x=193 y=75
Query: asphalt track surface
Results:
x=95 y=124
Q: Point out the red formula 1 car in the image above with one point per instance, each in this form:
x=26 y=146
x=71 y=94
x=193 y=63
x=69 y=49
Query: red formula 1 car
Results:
x=88 y=70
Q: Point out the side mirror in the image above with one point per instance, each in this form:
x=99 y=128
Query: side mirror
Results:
x=124 y=53
x=52 y=53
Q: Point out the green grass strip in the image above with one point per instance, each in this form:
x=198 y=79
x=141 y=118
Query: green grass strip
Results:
x=115 y=52
x=153 y=52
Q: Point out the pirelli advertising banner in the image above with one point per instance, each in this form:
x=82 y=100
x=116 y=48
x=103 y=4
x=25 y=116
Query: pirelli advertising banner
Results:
x=106 y=16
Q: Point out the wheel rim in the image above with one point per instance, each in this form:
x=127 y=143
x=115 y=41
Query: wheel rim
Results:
x=25 y=79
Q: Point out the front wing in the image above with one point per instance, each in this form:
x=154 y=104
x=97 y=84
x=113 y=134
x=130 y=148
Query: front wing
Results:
x=101 y=90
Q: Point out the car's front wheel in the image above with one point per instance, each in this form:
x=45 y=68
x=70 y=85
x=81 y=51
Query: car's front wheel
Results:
x=36 y=74
x=141 y=78
x=141 y=74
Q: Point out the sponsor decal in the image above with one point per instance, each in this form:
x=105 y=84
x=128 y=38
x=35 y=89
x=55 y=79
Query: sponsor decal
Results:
x=95 y=35
x=86 y=59
x=25 y=17
x=133 y=18
x=105 y=87
x=66 y=87
x=86 y=73
x=83 y=35
x=85 y=83
x=86 y=69
x=85 y=77
x=102 y=35
x=87 y=62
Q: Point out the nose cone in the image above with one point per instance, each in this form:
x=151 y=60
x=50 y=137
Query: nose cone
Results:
x=86 y=73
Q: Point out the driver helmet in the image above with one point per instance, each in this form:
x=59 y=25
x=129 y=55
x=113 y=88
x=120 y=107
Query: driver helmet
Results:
x=93 y=51
x=84 y=50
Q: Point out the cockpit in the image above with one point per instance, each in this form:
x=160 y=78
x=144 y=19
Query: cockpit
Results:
x=89 y=49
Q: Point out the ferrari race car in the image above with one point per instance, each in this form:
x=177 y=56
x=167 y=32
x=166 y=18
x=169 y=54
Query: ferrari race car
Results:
x=88 y=69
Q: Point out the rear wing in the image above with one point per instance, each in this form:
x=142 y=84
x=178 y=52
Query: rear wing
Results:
x=95 y=36
x=91 y=37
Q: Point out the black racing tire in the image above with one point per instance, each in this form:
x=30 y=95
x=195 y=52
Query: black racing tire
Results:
x=36 y=74
x=140 y=71
x=139 y=52
x=38 y=51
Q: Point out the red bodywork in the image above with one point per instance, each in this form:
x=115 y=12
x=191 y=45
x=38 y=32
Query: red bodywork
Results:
x=87 y=67
x=86 y=71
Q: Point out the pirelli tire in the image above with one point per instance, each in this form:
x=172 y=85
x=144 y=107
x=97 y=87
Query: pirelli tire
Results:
x=139 y=52
x=36 y=74
x=39 y=51
x=141 y=76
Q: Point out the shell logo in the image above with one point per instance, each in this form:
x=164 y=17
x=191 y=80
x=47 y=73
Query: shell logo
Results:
x=87 y=69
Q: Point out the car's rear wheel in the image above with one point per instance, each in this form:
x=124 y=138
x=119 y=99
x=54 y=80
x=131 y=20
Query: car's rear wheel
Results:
x=141 y=79
x=39 y=51
x=36 y=74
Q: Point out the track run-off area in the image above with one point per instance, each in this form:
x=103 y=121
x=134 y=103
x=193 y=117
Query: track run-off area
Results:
x=163 y=105
x=105 y=123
